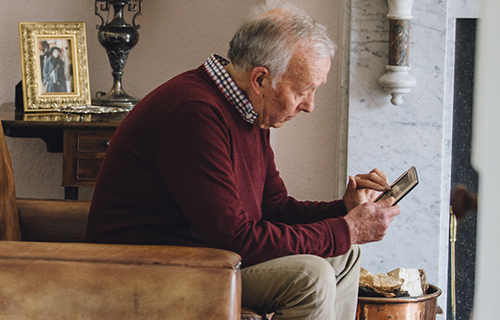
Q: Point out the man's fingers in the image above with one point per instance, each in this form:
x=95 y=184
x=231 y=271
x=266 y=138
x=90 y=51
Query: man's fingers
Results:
x=366 y=182
x=392 y=209
x=376 y=180
x=386 y=202
x=381 y=174
x=352 y=183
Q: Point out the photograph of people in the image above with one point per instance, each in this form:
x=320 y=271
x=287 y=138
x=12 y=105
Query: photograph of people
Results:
x=55 y=66
x=44 y=52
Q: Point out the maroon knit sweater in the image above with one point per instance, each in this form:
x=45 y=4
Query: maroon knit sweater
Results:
x=184 y=168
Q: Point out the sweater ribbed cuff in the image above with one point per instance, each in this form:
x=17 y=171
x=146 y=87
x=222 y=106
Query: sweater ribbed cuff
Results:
x=341 y=235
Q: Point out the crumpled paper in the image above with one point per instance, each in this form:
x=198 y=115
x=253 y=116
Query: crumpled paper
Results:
x=400 y=282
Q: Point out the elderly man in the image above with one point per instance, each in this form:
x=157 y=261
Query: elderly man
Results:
x=192 y=165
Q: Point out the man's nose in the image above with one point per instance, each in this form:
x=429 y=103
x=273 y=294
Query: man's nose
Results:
x=308 y=104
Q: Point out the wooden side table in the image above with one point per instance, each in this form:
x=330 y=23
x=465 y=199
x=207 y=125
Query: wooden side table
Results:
x=82 y=138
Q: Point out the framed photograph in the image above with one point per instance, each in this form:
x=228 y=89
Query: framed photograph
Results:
x=54 y=65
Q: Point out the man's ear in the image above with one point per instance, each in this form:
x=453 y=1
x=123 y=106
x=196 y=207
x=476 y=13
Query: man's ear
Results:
x=259 y=77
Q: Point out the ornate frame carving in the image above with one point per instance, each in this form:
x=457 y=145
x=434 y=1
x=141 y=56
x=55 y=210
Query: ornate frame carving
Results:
x=30 y=36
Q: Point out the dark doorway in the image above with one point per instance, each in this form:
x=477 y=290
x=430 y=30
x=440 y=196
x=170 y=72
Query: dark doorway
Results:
x=461 y=168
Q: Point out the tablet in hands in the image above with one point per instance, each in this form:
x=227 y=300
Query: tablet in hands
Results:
x=402 y=186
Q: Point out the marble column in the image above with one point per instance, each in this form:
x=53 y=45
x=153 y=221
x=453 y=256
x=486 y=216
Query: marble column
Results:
x=397 y=80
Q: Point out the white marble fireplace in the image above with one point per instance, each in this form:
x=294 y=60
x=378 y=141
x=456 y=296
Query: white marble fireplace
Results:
x=418 y=132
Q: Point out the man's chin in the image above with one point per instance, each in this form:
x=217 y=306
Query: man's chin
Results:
x=271 y=125
x=278 y=125
x=265 y=126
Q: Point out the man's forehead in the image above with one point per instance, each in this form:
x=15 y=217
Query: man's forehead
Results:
x=306 y=69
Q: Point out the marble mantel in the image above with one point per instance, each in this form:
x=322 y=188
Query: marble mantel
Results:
x=418 y=132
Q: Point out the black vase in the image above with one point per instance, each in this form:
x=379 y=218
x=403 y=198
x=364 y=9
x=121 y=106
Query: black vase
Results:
x=118 y=38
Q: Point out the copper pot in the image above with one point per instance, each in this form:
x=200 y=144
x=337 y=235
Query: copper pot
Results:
x=414 y=308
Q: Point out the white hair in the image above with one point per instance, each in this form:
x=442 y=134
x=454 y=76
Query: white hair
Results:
x=270 y=40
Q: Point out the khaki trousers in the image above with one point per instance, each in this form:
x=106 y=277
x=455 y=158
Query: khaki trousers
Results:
x=304 y=286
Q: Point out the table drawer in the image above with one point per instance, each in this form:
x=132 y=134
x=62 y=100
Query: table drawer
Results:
x=84 y=152
x=87 y=169
x=93 y=141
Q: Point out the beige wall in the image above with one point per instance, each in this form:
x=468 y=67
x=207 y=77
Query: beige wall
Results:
x=177 y=35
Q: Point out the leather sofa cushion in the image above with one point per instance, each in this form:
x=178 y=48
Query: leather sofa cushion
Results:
x=53 y=220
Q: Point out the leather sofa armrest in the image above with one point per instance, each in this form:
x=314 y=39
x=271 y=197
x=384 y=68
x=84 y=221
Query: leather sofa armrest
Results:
x=53 y=220
x=100 y=281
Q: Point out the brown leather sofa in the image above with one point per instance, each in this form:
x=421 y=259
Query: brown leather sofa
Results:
x=47 y=272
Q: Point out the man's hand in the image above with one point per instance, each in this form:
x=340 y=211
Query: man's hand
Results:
x=364 y=188
x=369 y=221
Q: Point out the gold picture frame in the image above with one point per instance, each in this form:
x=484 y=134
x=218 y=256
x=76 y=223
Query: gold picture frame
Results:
x=54 y=65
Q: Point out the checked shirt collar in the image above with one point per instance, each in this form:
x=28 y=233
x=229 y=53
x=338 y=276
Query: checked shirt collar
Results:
x=215 y=68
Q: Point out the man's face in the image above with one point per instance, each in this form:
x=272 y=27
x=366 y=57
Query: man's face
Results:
x=293 y=94
x=55 y=53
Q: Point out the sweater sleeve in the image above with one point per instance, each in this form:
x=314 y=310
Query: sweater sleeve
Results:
x=198 y=145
